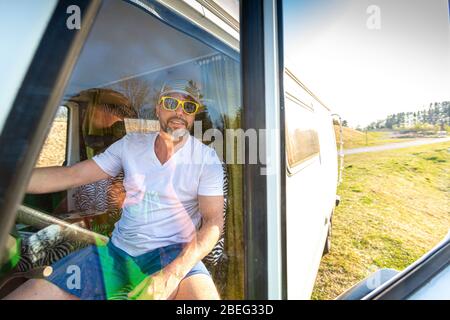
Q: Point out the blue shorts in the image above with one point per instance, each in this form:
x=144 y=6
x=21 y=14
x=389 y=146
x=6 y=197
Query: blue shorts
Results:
x=109 y=273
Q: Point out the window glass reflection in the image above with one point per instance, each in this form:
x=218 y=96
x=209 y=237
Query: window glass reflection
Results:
x=114 y=91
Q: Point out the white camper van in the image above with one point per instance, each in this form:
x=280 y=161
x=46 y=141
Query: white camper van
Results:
x=63 y=58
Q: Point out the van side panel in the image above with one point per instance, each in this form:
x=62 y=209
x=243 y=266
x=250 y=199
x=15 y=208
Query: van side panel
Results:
x=310 y=200
x=304 y=228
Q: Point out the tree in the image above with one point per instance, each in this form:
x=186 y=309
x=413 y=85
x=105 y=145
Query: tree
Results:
x=437 y=114
x=139 y=92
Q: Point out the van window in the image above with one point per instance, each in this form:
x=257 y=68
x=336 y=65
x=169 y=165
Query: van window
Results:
x=129 y=54
x=53 y=152
x=302 y=140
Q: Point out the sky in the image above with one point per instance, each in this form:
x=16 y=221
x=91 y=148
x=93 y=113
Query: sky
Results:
x=365 y=68
x=22 y=24
x=361 y=73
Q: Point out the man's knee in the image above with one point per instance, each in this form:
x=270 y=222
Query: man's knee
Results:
x=39 y=289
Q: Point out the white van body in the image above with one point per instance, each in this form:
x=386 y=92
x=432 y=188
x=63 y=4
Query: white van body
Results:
x=310 y=196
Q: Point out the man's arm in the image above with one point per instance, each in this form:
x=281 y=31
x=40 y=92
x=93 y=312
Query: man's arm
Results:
x=53 y=179
x=211 y=208
x=163 y=284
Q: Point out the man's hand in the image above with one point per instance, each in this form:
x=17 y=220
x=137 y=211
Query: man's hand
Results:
x=161 y=285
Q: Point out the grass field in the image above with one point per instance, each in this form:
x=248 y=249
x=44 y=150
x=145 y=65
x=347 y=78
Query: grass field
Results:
x=356 y=139
x=395 y=206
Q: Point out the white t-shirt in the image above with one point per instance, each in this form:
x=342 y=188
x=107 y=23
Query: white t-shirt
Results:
x=161 y=204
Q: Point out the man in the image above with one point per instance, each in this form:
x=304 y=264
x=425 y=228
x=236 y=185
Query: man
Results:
x=173 y=184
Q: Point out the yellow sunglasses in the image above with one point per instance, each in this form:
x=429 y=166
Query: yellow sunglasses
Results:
x=171 y=104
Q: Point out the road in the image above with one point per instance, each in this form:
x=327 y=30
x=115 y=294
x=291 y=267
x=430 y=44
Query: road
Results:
x=399 y=145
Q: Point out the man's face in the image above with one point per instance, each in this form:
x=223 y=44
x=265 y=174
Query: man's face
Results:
x=176 y=121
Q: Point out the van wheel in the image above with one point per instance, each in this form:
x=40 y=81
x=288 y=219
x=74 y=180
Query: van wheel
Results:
x=327 y=247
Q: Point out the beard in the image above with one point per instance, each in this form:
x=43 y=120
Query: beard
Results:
x=175 y=133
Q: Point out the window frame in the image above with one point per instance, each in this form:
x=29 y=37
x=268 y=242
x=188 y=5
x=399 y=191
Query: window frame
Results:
x=262 y=63
x=184 y=25
x=35 y=104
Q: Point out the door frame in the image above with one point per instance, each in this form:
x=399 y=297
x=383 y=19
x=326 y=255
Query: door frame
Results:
x=264 y=197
